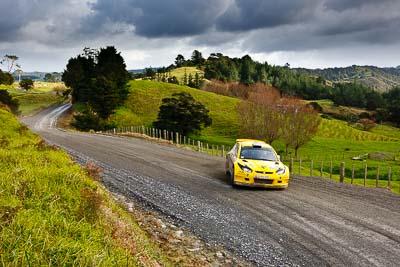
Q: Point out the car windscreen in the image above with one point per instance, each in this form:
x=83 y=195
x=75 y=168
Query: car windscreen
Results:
x=258 y=153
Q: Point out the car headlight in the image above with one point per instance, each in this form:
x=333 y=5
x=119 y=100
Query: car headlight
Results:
x=281 y=170
x=245 y=168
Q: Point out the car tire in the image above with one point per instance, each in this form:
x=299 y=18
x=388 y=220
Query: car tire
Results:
x=231 y=178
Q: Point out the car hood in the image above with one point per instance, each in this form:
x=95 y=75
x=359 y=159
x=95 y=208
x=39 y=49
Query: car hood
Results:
x=261 y=165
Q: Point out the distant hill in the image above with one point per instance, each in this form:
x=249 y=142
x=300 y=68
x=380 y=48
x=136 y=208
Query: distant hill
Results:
x=381 y=79
x=37 y=75
x=135 y=71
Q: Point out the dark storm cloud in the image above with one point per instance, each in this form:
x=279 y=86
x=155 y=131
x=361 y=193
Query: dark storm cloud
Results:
x=341 y=5
x=34 y=20
x=344 y=17
x=365 y=19
x=159 y=18
x=14 y=15
x=245 y=15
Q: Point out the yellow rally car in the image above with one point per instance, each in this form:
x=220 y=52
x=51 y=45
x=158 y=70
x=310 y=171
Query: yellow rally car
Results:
x=255 y=163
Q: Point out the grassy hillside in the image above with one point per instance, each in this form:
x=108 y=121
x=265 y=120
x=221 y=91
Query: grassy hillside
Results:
x=180 y=72
x=145 y=98
x=53 y=213
x=30 y=103
x=34 y=100
x=143 y=104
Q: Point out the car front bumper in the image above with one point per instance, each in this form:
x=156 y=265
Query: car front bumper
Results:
x=253 y=180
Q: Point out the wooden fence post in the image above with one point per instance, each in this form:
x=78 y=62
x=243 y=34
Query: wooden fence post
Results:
x=291 y=166
x=377 y=177
x=300 y=167
x=389 y=176
x=212 y=151
x=330 y=170
x=311 y=167
x=352 y=174
x=198 y=145
x=223 y=151
x=322 y=168
x=177 y=138
x=365 y=175
x=342 y=169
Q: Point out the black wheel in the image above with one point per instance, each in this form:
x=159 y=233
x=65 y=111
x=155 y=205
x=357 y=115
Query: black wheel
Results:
x=232 y=178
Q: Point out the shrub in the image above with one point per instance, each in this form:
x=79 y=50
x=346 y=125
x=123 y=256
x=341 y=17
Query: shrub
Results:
x=26 y=83
x=7 y=100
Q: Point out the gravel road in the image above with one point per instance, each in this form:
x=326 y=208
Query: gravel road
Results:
x=315 y=222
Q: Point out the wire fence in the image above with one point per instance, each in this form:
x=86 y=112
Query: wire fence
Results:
x=173 y=138
x=355 y=172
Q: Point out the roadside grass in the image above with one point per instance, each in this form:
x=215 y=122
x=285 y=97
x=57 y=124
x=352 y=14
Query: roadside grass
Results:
x=53 y=213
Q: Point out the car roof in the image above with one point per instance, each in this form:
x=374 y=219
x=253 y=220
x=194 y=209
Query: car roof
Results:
x=252 y=142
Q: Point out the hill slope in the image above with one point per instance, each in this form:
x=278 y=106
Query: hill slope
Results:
x=142 y=108
x=381 y=79
x=145 y=97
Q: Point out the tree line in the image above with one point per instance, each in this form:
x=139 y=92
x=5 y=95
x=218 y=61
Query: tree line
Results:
x=291 y=82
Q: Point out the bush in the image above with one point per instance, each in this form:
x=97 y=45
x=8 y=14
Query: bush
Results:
x=6 y=78
x=367 y=124
x=90 y=121
x=182 y=113
x=315 y=106
x=86 y=121
x=26 y=83
x=7 y=100
x=59 y=89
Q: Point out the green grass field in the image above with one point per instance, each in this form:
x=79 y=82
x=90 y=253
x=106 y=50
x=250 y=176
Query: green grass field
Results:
x=335 y=140
x=144 y=101
x=180 y=72
x=53 y=214
x=31 y=103
x=39 y=87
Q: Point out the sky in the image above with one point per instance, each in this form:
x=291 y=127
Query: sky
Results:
x=44 y=34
